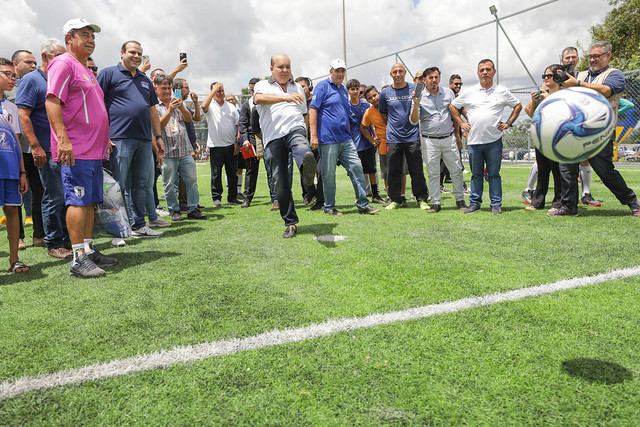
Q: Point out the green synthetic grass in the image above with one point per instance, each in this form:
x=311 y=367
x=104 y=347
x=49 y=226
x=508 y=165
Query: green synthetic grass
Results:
x=563 y=358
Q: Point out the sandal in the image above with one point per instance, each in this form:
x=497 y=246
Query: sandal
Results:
x=19 y=267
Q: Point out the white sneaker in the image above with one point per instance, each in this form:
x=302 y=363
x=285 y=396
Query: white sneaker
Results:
x=159 y=222
x=161 y=212
x=145 y=231
x=118 y=242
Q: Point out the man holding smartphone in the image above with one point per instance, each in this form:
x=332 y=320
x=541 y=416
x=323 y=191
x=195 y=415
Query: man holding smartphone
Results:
x=431 y=108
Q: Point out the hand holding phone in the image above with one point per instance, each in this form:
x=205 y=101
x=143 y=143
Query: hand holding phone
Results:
x=183 y=55
x=178 y=93
x=417 y=93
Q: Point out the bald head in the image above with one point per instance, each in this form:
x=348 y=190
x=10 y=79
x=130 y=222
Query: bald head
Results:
x=281 y=68
x=398 y=74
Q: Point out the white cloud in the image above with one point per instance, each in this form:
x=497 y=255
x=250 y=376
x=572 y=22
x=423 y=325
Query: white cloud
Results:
x=231 y=41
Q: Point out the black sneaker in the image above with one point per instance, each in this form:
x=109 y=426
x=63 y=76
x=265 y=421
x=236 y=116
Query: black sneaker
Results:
x=472 y=208
x=435 y=208
x=196 y=214
x=562 y=212
x=234 y=202
x=176 y=216
x=308 y=169
x=85 y=268
x=496 y=210
x=588 y=200
x=332 y=212
x=318 y=205
x=526 y=196
x=461 y=204
x=369 y=210
x=101 y=260
x=291 y=231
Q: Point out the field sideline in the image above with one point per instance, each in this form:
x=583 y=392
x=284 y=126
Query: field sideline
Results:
x=564 y=357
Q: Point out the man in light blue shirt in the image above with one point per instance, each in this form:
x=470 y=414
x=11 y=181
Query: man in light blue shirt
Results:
x=437 y=133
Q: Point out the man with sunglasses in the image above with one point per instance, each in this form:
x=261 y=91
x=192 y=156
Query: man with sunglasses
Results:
x=30 y=99
x=610 y=83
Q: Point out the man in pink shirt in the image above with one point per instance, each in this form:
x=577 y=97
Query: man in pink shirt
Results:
x=79 y=140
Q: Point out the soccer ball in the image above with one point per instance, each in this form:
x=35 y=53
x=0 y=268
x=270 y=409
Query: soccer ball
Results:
x=572 y=125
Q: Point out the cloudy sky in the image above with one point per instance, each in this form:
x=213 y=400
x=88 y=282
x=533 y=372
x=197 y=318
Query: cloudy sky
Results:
x=232 y=40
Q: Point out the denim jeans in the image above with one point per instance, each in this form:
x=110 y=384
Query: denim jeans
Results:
x=53 y=209
x=132 y=165
x=491 y=155
x=186 y=167
x=219 y=157
x=346 y=153
x=276 y=155
x=272 y=191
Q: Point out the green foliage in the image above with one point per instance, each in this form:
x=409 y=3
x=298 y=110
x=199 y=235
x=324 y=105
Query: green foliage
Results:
x=621 y=28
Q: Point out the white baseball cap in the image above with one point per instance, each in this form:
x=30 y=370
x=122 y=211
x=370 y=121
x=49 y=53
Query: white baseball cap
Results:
x=338 y=63
x=78 y=23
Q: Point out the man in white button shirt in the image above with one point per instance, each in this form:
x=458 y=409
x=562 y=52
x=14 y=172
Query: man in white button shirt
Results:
x=485 y=103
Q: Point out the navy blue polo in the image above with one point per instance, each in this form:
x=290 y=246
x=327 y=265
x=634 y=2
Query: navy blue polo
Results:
x=332 y=103
x=127 y=99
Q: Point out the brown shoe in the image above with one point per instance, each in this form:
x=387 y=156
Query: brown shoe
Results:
x=38 y=241
x=60 y=253
x=21 y=245
x=275 y=207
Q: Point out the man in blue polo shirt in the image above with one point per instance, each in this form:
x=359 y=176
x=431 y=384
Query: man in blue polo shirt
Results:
x=403 y=139
x=30 y=99
x=329 y=128
x=131 y=104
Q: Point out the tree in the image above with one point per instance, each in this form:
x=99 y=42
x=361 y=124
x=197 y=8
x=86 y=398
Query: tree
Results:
x=621 y=28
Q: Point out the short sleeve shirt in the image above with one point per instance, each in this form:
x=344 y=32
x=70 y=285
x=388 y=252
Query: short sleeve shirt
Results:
x=332 y=104
x=356 y=113
x=435 y=118
x=221 y=122
x=397 y=104
x=84 y=114
x=174 y=134
x=10 y=153
x=127 y=99
x=279 y=119
x=373 y=118
x=484 y=108
x=31 y=95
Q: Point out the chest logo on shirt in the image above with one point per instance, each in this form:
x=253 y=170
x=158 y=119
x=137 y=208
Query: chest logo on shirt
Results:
x=144 y=85
x=90 y=79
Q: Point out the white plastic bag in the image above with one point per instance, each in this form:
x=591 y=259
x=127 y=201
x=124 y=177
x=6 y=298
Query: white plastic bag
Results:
x=111 y=215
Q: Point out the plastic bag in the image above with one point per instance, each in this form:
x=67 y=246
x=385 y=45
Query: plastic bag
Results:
x=111 y=214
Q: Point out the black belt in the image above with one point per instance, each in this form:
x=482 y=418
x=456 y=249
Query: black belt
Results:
x=438 y=137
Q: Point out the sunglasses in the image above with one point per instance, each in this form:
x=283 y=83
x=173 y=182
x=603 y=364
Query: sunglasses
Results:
x=457 y=84
x=9 y=74
x=93 y=68
x=547 y=76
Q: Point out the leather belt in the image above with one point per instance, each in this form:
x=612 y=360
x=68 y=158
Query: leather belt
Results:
x=438 y=137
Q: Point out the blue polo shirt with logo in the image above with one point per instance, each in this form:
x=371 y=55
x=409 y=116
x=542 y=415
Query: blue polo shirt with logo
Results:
x=356 y=113
x=332 y=103
x=127 y=99
x=396 y=104
x=31 y=95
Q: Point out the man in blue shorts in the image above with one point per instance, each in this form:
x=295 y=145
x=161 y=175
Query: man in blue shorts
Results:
x=79 y=140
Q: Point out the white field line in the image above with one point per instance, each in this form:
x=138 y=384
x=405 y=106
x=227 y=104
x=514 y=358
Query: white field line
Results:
x=166 y=358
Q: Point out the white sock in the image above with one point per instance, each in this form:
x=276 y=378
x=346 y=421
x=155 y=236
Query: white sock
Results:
x=88 y=246
x=78 y=249
x=533 y=178
x=585 y=179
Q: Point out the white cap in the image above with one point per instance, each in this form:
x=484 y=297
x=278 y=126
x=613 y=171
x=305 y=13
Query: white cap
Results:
x=78 y=23
x=338 y=63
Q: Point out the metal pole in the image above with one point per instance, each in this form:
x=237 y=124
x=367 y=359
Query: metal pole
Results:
x=344 y=36
x=399 y=59
x=495 y=14
x=497 y=56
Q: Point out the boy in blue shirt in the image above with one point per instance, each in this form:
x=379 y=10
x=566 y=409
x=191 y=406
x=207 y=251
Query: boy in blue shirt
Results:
x=13 y=178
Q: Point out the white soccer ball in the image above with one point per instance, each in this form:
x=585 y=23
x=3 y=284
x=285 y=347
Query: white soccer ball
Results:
x=572 y=125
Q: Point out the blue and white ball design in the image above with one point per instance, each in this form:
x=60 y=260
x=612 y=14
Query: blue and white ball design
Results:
x=572 y=125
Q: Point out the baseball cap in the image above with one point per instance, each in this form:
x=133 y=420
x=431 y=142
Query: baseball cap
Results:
x=419 y=74
x=78 y=23
x=338 y=63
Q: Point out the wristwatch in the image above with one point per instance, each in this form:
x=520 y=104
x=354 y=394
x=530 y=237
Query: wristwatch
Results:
x=509 y=122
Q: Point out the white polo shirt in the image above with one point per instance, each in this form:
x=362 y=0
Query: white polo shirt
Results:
x=222 y=121
x=484 y=108
x=277 y=120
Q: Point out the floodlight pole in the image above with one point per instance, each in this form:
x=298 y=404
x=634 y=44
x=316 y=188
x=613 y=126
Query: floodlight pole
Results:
x=344 y=37
x=494 y=12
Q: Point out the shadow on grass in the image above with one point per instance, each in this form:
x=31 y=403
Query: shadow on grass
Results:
x=319 y=230
x=139 y=259
x=35 y=273
x=596 y=371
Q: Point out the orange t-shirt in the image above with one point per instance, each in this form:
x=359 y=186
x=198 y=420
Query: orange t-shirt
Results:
x=373 y=118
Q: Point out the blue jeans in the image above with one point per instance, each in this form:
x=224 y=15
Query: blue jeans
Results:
x=276 y=155
x=186 y=166
x=348 y=156
x=53 y=209
x=132 y=165
x=491 y=155
x=272 y=191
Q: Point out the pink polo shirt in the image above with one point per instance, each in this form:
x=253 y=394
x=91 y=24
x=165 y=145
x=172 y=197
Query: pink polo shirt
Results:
x=83 y=110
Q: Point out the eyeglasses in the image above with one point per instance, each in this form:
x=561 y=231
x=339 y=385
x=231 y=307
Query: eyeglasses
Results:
x=9 y=74
x=457 y=84
x=547 y=76
x=597 y=56
x=92 y=68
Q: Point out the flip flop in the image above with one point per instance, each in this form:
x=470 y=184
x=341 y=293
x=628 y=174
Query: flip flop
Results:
x=19 y=267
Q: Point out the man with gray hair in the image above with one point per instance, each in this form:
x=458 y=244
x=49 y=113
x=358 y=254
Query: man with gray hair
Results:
x=30 y=99
x=610 y=83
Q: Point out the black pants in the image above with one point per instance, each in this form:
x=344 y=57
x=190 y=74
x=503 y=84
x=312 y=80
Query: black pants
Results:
x=250 y=178
x=33 y=177
x=219 y=157
x=412 y=152
x=546 y=166
x=318 y=190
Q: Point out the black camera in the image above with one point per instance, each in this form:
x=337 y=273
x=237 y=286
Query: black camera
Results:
x=562 y=75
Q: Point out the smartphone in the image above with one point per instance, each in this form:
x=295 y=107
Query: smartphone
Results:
x=178 y=93
x=145 y=58
x=183 y=56
x=417 y=93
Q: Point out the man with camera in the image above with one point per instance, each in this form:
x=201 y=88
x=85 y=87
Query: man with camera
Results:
x=610 y=83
